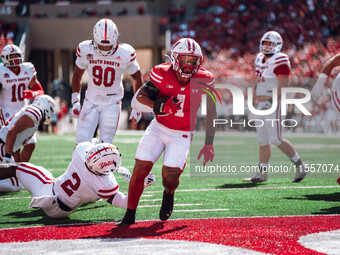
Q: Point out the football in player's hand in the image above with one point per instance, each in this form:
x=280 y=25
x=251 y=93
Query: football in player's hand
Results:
x=166 y=105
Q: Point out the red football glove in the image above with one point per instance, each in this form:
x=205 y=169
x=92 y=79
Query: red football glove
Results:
x=208 y=152
x=338 y=180
x=28 y=94
x=171 y=105
x=166 y=105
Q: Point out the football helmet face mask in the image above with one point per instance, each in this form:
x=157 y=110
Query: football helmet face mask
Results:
x=271 y=43
x=11 y=55
x=105 y=34
x=102 y=159
x=46 y=105
x=186 y=57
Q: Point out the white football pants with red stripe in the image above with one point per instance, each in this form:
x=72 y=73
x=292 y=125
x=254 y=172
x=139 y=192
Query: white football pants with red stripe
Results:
x=10 y=185
x=39 y=182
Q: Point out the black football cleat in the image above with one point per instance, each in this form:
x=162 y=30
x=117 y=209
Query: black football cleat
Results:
x=124 y=223
x=167 y=206
x=128 y=219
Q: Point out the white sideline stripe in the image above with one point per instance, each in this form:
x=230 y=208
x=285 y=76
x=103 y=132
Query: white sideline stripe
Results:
x=203 y=210
x=147 y=195
x=257 y=188
x=174 y=205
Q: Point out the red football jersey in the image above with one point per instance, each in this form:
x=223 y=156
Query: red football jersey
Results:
x=163 y=76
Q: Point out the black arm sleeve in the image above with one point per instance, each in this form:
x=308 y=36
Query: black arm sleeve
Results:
x=150 y=89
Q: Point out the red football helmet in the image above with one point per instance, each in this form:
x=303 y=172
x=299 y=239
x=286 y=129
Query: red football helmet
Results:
x=186 y=57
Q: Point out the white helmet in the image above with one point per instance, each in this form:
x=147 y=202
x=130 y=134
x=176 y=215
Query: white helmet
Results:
x=186 y=47
x=105 y=33
x=46 y=105
x=103 y=158
x=7 y=51
x=276 y=43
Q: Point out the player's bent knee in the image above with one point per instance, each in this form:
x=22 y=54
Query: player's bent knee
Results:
x=171 y=177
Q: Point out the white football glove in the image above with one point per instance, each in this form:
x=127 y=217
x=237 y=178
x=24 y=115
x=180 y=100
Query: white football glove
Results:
x=136 y=115
x=149 y=180
x=319 y=86
x=8 y=158
x=76 y=109
x=125 y=173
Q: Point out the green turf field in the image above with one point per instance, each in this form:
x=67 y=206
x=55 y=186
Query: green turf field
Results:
x=199 y=195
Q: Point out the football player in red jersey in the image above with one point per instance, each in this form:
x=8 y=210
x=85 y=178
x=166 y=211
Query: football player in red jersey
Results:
x=172 y=94
x=273 y=71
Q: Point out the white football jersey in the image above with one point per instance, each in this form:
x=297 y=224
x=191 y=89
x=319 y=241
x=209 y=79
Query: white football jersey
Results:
x=78 y=185
x=31 y=111
x=13 y=86
x=105 y=84
x=264 y=70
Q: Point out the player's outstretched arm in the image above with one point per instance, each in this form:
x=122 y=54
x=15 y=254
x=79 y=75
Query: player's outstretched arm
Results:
x=145 y=97
x=208 y=149
x=20 y=125
x=76 y=86
x=137 y=83
x=137 y=80
x=36 y=89
x=7 y=171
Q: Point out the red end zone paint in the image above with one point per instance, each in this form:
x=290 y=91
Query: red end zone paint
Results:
x=275 y=235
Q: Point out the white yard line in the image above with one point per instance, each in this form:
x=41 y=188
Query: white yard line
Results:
x=176 y=205
x=203 y=210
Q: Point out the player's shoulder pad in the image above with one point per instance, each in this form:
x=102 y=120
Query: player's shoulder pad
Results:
x=259 y=57
x=127 y=52
x=82 y=148
x=2 y=69
x=206 y=76
x=83 y=48
x=28 y=66
x=158 y=72
x=279 y=59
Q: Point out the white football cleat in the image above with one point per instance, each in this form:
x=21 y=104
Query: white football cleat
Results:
x=258 y=177
x=149 y=180
x=301 y=172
